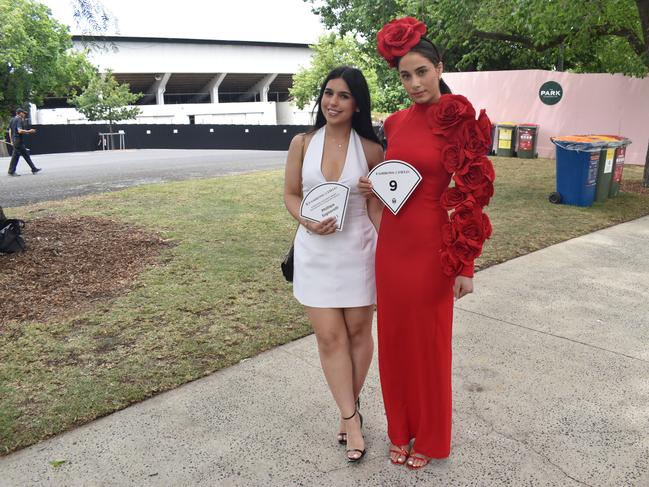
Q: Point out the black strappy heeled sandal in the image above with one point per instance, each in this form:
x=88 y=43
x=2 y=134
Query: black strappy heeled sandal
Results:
x=342 y=437
x=362 y=452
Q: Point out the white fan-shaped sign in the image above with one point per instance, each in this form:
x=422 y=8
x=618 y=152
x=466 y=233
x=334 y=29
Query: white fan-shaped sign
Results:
x=326 y=200
x=393 y=182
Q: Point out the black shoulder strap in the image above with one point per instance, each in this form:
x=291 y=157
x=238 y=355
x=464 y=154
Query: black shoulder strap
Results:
x=301 y=164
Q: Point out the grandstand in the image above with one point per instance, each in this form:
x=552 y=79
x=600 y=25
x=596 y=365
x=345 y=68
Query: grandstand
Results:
x=194 y=81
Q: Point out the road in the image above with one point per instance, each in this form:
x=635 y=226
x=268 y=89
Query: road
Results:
x=81 y=173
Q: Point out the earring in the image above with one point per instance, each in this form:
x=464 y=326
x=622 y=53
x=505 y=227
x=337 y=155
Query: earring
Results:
x=358 y=110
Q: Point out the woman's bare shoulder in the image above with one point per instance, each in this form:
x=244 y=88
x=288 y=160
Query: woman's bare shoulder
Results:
x=301 y=139
x=373 y=151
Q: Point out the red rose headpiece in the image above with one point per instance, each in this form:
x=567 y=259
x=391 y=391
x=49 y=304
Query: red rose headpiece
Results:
x=397 y=37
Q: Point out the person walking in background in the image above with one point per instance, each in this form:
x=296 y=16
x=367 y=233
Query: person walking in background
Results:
x=334 y=270
x=18 y=128
x=424 y=257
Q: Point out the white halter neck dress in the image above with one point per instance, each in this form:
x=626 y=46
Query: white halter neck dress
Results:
x=336 y=270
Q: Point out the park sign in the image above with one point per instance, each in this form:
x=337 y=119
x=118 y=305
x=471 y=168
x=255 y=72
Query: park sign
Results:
x=550 y=92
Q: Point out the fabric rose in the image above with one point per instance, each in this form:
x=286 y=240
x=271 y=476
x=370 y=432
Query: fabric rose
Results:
x=485 y=127
x=451 y=265
x=475 y=143
x=449 y=234
x=487 y=229
x=470 y=227
x=464 y=252
x=446 y=115
x=483 y=193
x=478 y=172
x=487 y=168
x=453 y=158
x=465 y=213
x=453 y=197
x=396 y=38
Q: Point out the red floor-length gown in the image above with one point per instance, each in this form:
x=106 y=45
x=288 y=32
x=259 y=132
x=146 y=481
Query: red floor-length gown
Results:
x=414 y=296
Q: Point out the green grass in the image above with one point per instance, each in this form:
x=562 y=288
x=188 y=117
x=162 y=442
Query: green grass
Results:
x=217 y=296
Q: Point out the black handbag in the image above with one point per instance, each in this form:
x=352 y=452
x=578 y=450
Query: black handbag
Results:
x=287 y=265
x=11 y=239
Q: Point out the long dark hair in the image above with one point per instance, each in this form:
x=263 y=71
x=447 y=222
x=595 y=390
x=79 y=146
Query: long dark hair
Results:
x=429 y=50
x=361 y=120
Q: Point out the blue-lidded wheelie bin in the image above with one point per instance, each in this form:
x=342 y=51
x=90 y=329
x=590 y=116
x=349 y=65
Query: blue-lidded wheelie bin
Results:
x=577 y=163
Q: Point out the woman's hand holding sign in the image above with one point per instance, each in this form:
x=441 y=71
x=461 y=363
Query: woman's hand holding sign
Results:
x=365 y=187
x=325 y=227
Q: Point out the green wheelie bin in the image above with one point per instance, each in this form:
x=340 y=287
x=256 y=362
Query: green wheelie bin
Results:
x=505 y=145
x=605 y=171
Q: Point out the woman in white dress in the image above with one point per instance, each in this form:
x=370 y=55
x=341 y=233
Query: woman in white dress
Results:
x=334 y=270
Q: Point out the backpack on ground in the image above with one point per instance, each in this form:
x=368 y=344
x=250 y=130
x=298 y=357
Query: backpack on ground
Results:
x=11 y=239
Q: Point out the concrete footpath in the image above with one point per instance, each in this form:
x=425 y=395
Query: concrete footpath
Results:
x=551 y=387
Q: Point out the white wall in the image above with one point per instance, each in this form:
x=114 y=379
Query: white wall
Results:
x=592 y=103
x=249 y=113
x=252 y=113
x=142 y=57
x=289 y=114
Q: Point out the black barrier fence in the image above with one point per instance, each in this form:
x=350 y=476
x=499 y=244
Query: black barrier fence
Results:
x=79 y=138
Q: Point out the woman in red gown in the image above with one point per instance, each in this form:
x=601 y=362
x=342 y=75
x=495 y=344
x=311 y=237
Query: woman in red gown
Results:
x=425 y=253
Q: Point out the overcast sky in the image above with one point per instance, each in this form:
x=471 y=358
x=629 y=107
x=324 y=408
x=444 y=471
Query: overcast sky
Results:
x=255 y=20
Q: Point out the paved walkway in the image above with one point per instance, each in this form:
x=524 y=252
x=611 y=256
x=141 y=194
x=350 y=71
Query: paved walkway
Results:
x=80 y=173
x=551 y=387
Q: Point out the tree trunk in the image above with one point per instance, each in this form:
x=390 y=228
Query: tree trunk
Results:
x=110 y=137
x=643 y=12
x=645 y=178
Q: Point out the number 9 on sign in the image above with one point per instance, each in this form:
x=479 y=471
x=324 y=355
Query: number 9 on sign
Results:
x=393 y=182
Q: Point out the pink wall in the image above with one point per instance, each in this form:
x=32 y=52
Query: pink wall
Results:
x=591 y=104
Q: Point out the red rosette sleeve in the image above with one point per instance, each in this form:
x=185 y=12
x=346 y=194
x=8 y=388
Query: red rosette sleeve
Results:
x=467 y=270
x=469 y=227
x=451 y=265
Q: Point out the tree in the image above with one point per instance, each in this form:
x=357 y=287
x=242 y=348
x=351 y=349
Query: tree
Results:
x=579 y=35
x=93 y=20
x=36 y=57
x=330 y=52
x=586 y=35
x=92 y=17
x=106 y=100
